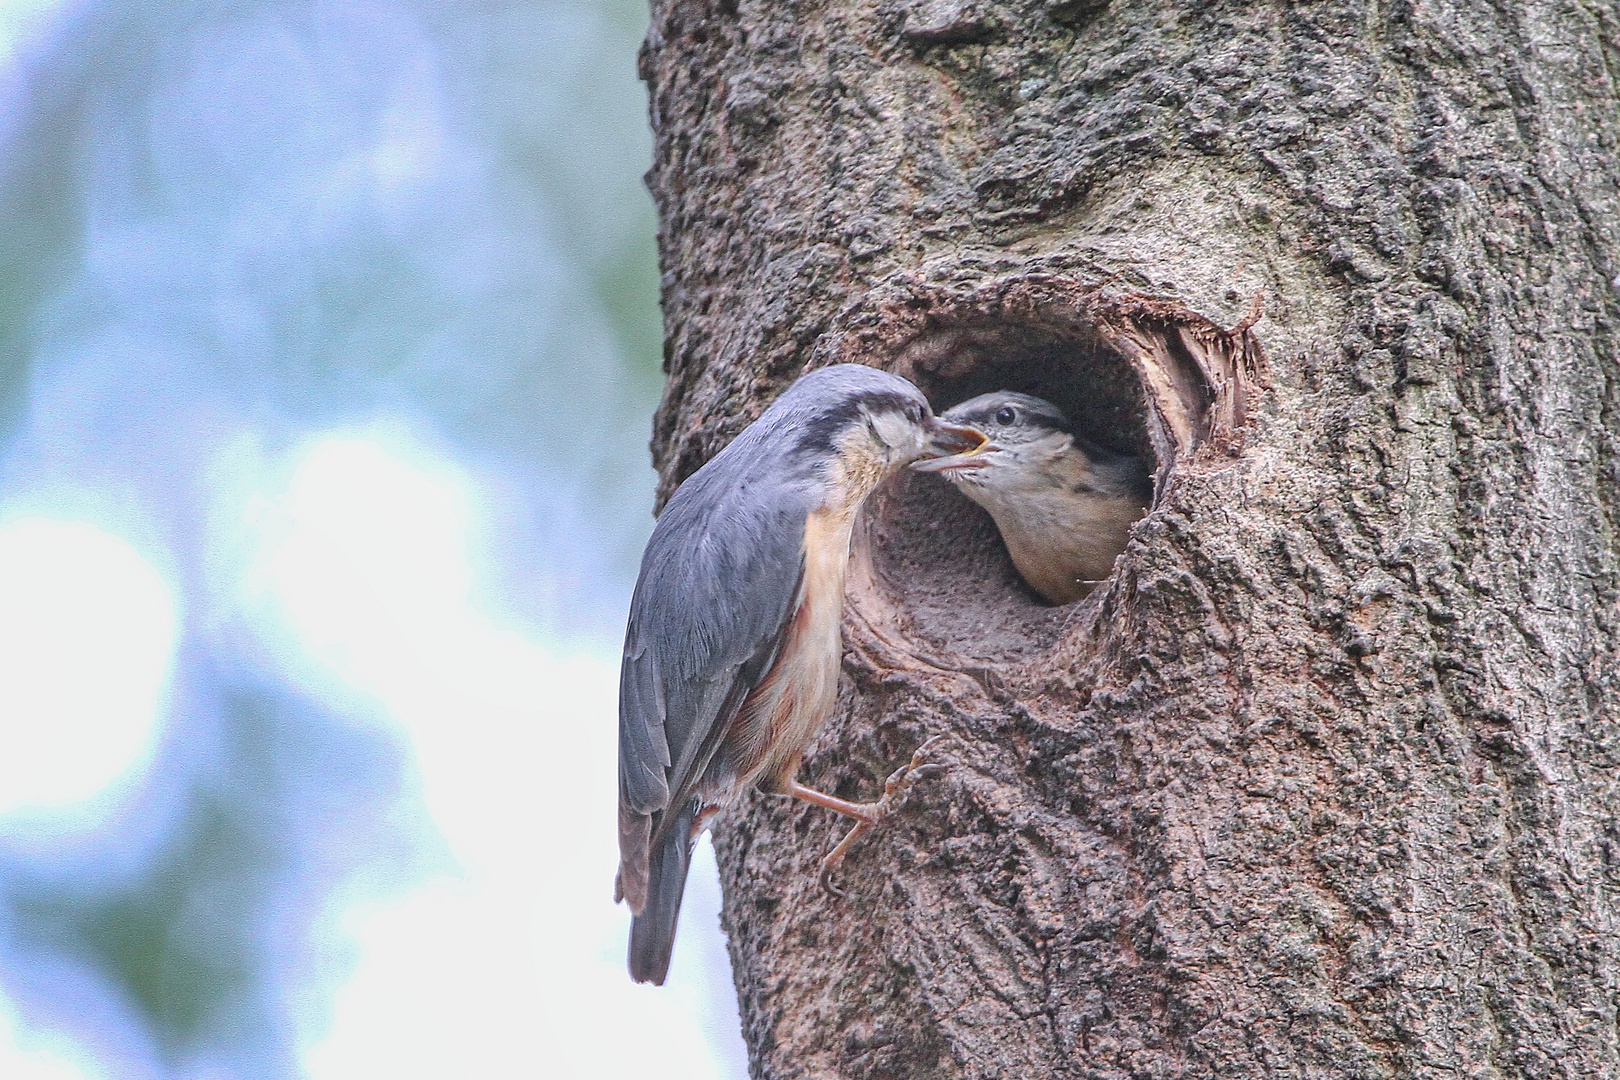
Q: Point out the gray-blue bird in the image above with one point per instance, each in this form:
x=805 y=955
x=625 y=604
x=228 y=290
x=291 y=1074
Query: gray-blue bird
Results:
x=733 y=648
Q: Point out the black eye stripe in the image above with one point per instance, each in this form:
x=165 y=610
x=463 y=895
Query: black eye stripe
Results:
x=821 y=430
x=1013 y=411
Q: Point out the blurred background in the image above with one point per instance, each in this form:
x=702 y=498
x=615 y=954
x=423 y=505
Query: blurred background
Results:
x=328 y=348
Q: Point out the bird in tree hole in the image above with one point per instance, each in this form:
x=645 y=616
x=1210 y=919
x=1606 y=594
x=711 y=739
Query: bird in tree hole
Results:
x=734 y=643
x=1064 y=505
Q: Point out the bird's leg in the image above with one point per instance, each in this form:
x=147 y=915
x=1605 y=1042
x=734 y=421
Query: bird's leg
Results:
x=864 y=812
x=867 y=815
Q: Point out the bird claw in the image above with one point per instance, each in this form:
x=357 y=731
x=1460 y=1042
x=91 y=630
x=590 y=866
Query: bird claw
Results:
x=895 y=790
x=829 y=866
x=900 y=781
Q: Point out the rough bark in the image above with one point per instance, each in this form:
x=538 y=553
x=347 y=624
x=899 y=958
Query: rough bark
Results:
x=1324 y=781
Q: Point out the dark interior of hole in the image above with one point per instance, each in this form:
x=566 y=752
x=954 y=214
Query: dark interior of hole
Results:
x=937 y=552
x=1093 y=385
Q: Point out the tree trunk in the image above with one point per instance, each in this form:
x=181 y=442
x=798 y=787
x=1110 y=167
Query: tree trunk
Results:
x=1324 y=781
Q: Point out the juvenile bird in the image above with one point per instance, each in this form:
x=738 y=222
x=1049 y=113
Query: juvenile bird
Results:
x=733 y=648
x=1064 y=505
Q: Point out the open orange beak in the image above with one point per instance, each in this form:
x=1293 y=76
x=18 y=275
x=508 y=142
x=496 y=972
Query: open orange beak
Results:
x=953 y=447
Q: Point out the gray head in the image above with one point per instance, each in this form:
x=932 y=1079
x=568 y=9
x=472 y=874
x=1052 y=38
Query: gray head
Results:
x=1027 y=442
x=850 y=404
x=1014 y=429
x=847 y=425
x=1009 y=418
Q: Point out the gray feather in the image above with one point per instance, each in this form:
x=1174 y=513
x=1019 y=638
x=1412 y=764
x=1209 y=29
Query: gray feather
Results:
x=652 y=931
x=718 y=584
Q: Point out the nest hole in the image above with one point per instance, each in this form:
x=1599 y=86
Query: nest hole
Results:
x=938 y=555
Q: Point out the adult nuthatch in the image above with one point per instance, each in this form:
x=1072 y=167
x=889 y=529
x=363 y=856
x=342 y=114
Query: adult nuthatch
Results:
x=734 y=644
x=1064 y=506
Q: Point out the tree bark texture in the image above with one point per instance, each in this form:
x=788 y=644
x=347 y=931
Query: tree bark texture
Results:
x=1325 y=780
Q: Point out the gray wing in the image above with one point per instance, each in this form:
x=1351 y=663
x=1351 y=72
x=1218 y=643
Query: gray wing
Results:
x=718 y=583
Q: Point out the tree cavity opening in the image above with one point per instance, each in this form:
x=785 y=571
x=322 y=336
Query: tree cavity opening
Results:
x=940 y=556
x=1134 y=374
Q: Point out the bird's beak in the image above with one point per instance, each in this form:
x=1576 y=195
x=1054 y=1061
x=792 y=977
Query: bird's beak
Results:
x=953 y=447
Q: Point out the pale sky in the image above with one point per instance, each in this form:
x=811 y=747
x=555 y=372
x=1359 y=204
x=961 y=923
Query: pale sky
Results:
x=354 y=564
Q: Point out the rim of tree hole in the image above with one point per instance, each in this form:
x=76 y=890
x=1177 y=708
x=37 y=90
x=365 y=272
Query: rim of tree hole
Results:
x=931 y=583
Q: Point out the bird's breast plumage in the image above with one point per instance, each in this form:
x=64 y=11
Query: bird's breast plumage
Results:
x=1064 y=519
x=797 y=695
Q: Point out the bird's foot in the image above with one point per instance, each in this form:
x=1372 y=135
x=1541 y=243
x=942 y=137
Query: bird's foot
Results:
x=895 y=790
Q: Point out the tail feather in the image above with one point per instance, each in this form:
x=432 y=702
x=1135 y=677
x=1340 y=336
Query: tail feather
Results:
x=635 y=835
x=652 y=933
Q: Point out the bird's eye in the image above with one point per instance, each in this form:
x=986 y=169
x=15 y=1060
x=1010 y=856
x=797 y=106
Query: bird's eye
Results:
x=1006 y=415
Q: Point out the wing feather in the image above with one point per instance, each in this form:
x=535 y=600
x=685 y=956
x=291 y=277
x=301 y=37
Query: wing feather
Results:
x=719 y=581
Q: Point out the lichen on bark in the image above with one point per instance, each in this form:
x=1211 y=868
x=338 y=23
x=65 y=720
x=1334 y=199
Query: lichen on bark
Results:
x=1323 y=782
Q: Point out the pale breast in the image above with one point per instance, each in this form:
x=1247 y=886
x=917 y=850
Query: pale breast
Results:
x=1059 y=554
x=797 y=695
x=1062 y=524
